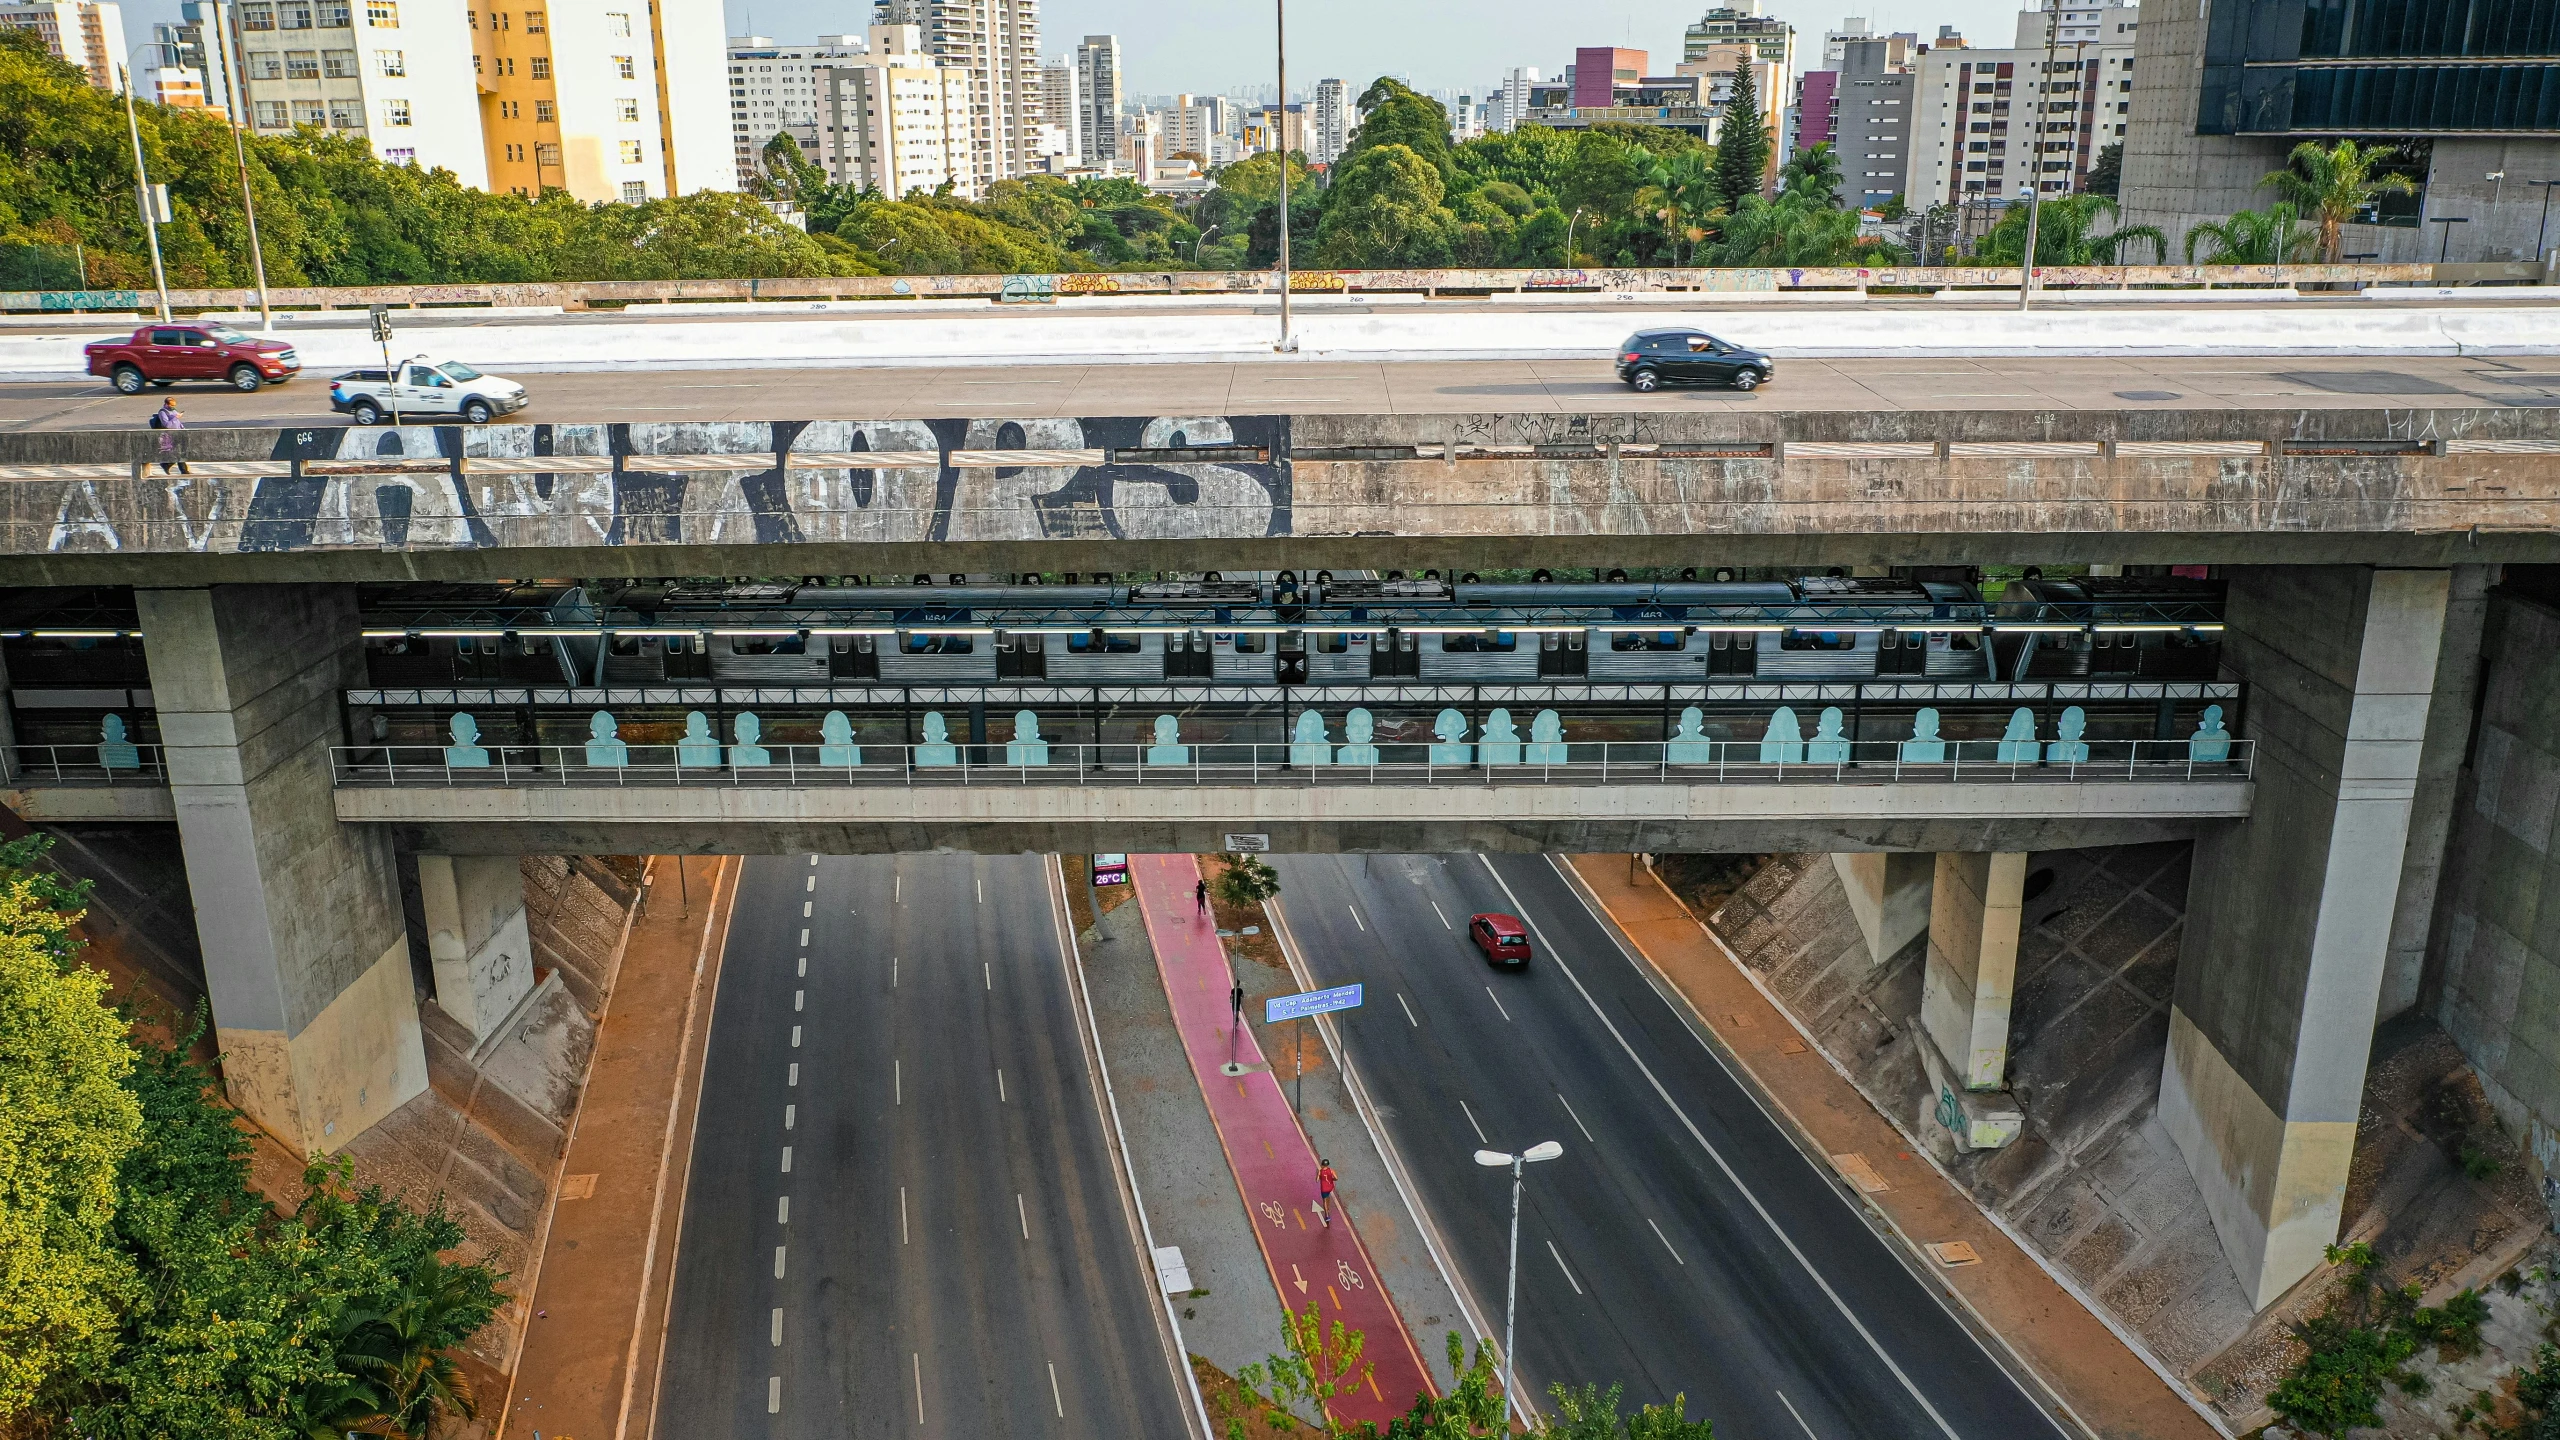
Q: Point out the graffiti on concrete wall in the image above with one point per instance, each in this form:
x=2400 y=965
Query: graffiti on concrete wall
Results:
x=682 y=483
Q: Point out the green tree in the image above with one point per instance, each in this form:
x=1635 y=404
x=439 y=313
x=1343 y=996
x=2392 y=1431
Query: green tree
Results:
x=784 y=174
x=2336 y=185
x=2106 y=173
x=1321 y=1363
x=1401 y=117
x=1798 y=229
x=1813 y=172
x=1684 y=192
x=2272 y=236
x=1245 y=880
x=1742 y=146
x=1592 y=1413
x=66 y=1123
x=1384 y=210
x=2067 y=233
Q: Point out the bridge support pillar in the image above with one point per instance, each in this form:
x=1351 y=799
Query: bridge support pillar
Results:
x=1974 y=905
x=2290 y=916
x=306 y=959
x=1889 y=893
x=476 y=937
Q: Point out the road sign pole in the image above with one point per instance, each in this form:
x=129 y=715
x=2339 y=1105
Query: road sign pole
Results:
x=1298 y=1058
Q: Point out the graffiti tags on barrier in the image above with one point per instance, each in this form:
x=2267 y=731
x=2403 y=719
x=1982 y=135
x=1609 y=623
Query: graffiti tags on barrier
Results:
x=1028 y=290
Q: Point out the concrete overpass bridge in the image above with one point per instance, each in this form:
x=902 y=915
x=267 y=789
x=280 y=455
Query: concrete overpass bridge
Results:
x=2358 y=548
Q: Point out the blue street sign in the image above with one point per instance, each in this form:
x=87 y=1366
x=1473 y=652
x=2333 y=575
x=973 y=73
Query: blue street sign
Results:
x=1313 y=1002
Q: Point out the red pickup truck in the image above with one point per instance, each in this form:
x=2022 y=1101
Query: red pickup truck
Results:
x=192 y=350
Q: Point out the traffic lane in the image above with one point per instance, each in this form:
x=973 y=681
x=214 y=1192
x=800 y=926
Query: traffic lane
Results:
x=1940 y=1355
x=1718 y=1318
x=1361 y=387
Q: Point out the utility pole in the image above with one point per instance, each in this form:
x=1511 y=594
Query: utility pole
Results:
x=142 y=195
x=219 y=21
x=2035 y=166
x=1280 y=122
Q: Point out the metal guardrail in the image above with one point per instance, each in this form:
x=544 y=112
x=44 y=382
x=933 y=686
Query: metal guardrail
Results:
x=92 y=764
x=1580 y=762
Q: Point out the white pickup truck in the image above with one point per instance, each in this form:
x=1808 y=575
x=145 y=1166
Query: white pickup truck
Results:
x=427 y=389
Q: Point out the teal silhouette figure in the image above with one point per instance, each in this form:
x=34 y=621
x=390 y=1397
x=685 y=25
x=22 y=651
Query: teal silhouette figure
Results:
x=1307 y=743
x=749 y=730
x=1829 y=747
x=1451 y=727
x=1924 y=747
x=114 y=751
x=465 y=753
x=1358 y=731
x=1783 y=744
x=835 y=741
x=1689 y=744
x=2068 y=748
x=1168 y=749
x=698 y=747
x=1546 y=739
x=1501 y=742
x=937 y=748
x=1026 y=747
x=605 y=750
x=2211 y=744
x=2018 y=745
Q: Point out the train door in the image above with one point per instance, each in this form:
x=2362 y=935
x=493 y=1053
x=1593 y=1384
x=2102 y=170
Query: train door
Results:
x=1021 y=657
x=1395 y=653
x=1187 y=656
x=688 y=658
x=1563 y=654
x=1733 y=653
x=1902 y=652
x=854 y=657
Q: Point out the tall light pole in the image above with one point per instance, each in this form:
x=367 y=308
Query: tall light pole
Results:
x=142 y=188
x=2035 y=165
x=218 y=20
x=1543 y=1150
x=1280 y=122
x=1568 y=237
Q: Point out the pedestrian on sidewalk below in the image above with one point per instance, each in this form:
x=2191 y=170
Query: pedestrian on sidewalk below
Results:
x=1200 y=896
x=166 y=419
x=1324 y=1191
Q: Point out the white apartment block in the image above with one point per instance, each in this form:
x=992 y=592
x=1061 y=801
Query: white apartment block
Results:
x=1988 y=123
x=774 y=90
x=898 y=119
x=88 y=33
x=1511 y=101
x=998 y=43
x=1098 y=99
x=1334 y=122
x=1835 y=43
x=402 y=74
x=1061 y=112
x=180 y=87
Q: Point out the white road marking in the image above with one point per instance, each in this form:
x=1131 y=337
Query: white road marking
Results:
x=795 y=1037
x=1732 y=1177
x=1666 y=1244
x=1791 y=1409
x=795 y=1074
x=800 y=998
x=1567 y=1269
x=893 y=972
x=1054 y=1397
x=790 y=1117
x=897 y=896
x=902 y=1214
x=1444 y=918
x=773 y=1395
x=813 y=880
x=1000 y=1085
x=898 y=1079
x=988 y=965
x=1408 y=1011
x=804 y=966
x=786 y=1159
x=777 y=1325
x=777 y=1262
x=919 y=1363
x=1022 y=1213
x=813 y=862
x=805 y=908
x=1577 y=1120
x=982 y=882
x=1471 y=1120
x=1488 y=991
x=804 y=934
x=782 y=1211
x=1356 y=920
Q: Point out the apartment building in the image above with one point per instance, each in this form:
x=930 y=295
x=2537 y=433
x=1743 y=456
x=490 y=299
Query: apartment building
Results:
x=1771 y=39
x=774 y=90
x=200 y=43
x=1512 y=103
x=998 y=43
x=1990 y=123
x=88 y=33
x=579 y=96
x=1872 y=128
x=1061 y=115
x=898 y=119
x=404 y=75
x=1334 y=122
x=1098 y=98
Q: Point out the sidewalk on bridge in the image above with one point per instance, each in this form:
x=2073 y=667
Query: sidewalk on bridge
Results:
x=2107 y=1386
x=591 y=1355
x=1308 y=1262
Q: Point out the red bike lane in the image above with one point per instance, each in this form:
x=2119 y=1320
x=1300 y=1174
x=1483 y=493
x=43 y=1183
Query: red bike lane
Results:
x=1269 y=1155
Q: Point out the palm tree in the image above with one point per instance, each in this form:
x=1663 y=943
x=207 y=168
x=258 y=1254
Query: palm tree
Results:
x=1680 y=191
x=2334 y=186
x=2067 y=234
x=1814 y=173
x=2271 y=236
x=400 y=1350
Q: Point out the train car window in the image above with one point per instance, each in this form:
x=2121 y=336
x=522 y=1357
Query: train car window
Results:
x=1650 y=640
x=1818 y=640
x=466 y=645
x=679 y=644
x=1333 y=644
x=938 y=644
x=625 y=645
x=1252 y=644
x=768 y=645
x=1503 y=641
x=1111 y=645
x=1962 y=641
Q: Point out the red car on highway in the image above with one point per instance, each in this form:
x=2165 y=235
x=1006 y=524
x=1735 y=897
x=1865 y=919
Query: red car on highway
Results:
x=1502 y=938
x=192 y=350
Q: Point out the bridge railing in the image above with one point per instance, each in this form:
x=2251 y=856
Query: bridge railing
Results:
x=92 y=764
x=1580 y=762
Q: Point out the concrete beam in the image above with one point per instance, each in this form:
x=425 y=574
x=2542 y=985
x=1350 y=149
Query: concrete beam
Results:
x=1972 y=971
x=476 y=936
x=998 y=818
x=1889 y=892
x=305 y=960
x=2291 y=914
x=95 y=804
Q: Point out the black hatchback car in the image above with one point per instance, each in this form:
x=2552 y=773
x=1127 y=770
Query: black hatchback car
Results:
x=1651 y=359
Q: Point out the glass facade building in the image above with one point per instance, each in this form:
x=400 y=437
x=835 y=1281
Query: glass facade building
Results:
x=2396 y=67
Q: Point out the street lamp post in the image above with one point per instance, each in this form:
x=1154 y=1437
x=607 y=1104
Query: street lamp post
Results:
x=1199 y=240
x=234 y=93
x=1280 y=123
x=1568 y=236
x=142 y=189
x=1495 y=1159
x=2035 y=161
x=2444 y=251
x=2542 y=232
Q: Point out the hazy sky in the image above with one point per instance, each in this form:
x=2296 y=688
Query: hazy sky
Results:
x=1437 y=44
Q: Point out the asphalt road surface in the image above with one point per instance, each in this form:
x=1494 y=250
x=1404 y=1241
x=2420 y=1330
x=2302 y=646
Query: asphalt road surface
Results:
x=903 y=1218
x=1427 y=387
x=1755 y=1290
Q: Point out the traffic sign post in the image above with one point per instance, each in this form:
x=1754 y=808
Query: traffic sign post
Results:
x=1294 y=1008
